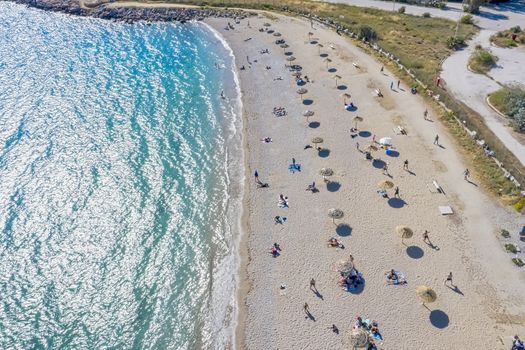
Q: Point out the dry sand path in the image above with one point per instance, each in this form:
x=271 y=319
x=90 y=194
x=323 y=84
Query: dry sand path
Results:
x=488 y=306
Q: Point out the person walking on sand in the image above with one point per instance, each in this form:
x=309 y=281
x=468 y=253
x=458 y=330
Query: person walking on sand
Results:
x=334 y=329
x=357 y=146
x=256 y=174
x=448 y=280
x=374 y=138
x=306 y=309
x=405 y=165
x=398 y=82
x=425 y=114
x=312 y=285
x=396 y=192
x=382 y=69
x=436 y=140
x=391 y=85
x=293 y=161
x=426 y=239
x=466 y=174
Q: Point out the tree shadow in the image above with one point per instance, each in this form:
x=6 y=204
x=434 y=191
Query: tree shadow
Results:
x=439 y=319
x=324 y=153
x=415 y=252
x=333 y=186
x=378 y=163
x=308 y=102
x=342 y=87
x=396 y=203
x=392 y=153
x=323 y=55
x=314 y=125
x=365 y=133
x=343 y=230
x=332 y=70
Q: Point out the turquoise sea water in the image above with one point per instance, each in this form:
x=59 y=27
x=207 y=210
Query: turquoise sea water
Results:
x=117 y=163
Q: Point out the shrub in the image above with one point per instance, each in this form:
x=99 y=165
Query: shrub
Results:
x=482 y=60
x=511 y=248
x=516 y=29
x=467 y=19
x=455 y=42
x=442 y=5
x=426 y=15
x=402 y=9
x=517 y=262
x=367 y=33
x=505 y=233
x=519 y=205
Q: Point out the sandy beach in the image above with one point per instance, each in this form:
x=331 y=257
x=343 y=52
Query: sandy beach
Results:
x=486 y=306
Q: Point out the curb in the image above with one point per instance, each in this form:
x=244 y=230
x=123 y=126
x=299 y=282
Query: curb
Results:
x=496 y=110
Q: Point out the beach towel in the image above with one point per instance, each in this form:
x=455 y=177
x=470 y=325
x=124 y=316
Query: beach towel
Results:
x=401 y=280
x=283 y=204
x=294 y=167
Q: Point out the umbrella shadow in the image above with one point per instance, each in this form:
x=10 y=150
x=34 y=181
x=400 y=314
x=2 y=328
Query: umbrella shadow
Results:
x=324 y=153
x=396 y=203
x=314 y=42
x=415 y=252
x=342 y=87
x=365 y=133
x=333 y=186
x=314 y=125
x=288 y=53
x=358 y=289
x=308 y=102
x=378 y=163
x=323 y=55
x=332 y=70
x=393 y=153
x=343 y=230
x=439 y=319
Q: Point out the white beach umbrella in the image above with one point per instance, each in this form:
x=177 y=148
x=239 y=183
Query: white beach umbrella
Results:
x=386 y=141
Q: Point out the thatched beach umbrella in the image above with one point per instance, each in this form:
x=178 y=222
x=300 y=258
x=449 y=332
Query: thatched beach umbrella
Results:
x=284 y=46
x=297 y=74
x=336 y=78
x=344 y=266
x=290 y=58
x=404 y=232
x=319 y=47
x=310 y=36
x=385 y=184
x=301 y=92
x=317 y=140
x=373 y=148
x=327 y=60
x=324 y=172
x=276 y=34
x=359 y=338
x=426 y=294
x=357 y=119
x=345 y=96
x=267 y=24
x=335 y=214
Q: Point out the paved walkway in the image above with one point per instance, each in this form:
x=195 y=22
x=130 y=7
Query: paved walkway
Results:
x=471 y=88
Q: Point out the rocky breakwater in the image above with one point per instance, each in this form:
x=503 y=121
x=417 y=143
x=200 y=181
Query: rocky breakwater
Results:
x=133 y=14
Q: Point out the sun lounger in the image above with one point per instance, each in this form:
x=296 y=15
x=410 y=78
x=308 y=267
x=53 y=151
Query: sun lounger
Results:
x=438 y=187
x=445 y=210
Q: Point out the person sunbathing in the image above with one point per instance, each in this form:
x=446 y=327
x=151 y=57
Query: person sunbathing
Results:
x=392 y=275
x=311 y=187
